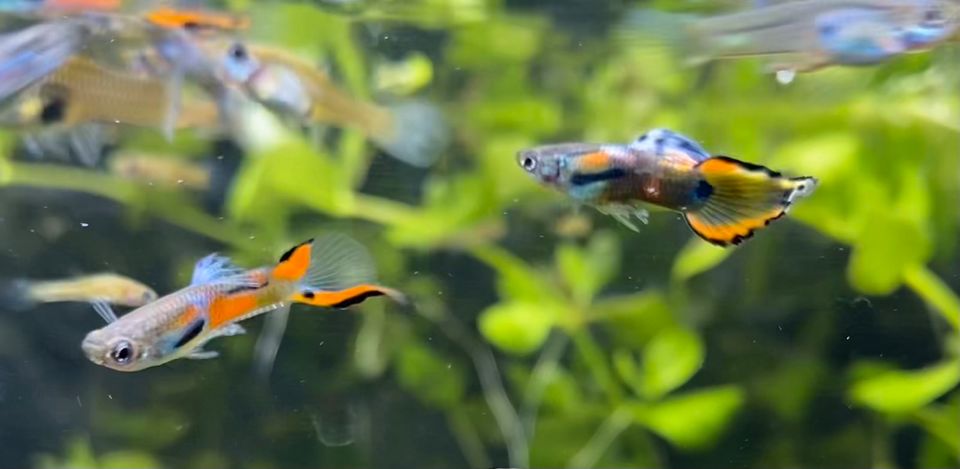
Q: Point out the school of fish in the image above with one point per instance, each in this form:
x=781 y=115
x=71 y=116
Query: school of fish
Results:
x=75 y=73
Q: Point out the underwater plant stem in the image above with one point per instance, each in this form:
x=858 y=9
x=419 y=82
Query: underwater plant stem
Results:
x=382 y=211
x=466 y=435
x=494 y=393
x=546 y=366
x=593 y=357
x=928 y=286
x=608 y=431
x=55 y=177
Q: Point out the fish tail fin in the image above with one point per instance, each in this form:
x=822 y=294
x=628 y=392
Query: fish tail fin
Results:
x=333 y=272
x=740 y=198
x=658 y=32
x=417 y=133
x=17 y=295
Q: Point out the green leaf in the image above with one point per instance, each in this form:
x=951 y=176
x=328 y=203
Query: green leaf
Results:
x=898 y=391
x=586 y=271
x=572 y=264
x=627 y=369
x=697 y=257
x=693 y=420
x=634 y=319
x=943 y=422
x=433 y=379
x=517 y=327
x=670 y=359
x=128 y=459
x=887 y=245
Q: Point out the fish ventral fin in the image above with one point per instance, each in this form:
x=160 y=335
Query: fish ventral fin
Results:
x=735 y=199
x=339 y=273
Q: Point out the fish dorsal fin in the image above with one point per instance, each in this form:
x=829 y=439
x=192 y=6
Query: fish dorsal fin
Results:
x=213 y=267
x=662 y=141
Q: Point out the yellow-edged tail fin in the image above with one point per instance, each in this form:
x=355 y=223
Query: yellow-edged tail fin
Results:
x=740 y=198
x=333 y=272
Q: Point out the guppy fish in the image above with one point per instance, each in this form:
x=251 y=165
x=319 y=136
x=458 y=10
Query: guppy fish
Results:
x=103 y=287
x=723 y=200
x=806 y=35
x=73 y=102
x=333 y=272
x=412 y=131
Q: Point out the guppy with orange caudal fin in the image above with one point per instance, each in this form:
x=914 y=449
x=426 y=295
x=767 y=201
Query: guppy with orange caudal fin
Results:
x=723 y=200
x=334 y=272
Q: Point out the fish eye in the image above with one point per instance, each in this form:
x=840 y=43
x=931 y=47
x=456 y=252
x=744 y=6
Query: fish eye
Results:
x=933 y=16
x=828 y=29
x=122 y=353
x=238 y=52
x=529 y=163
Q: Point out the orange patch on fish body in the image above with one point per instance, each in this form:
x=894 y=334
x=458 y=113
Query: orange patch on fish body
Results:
x=594 y=162
x=229 y=308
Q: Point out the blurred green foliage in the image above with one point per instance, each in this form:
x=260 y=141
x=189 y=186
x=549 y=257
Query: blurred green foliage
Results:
x=611 y=349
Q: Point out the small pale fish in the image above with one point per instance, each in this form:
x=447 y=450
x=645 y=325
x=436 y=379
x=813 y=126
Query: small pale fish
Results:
x=412 y=131
x=163 y=170
x=84 y=92
x=723 y=200
x=104 y=287
x=332 y=272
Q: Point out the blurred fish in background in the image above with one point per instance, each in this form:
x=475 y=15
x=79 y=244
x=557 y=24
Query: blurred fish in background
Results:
x=103 y=287
x=412 y=130
x=801 y=36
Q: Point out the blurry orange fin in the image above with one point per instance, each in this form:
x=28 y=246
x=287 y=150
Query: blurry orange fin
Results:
x=294 y=263
x=344 y=298
x=738 y=198
x=193 y=19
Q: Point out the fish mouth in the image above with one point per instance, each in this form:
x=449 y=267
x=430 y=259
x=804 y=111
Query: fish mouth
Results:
x=93 y=349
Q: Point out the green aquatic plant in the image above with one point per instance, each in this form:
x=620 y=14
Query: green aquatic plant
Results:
x=606 y=349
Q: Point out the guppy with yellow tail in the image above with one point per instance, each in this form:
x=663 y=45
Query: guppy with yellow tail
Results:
x=723 y=200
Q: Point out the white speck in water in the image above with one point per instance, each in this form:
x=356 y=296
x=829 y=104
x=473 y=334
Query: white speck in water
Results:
x=449 y=365
x=785 y=77
x=320 y=344
x=179 y=428
x=84 y=224
x=179 y=181
x=848 y=337
x=79 y=404
x=253 y=237
x=109 y=397
x=219 y=157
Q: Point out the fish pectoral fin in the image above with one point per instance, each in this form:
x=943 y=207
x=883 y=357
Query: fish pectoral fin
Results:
x=103 y=308
x=201 y=354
